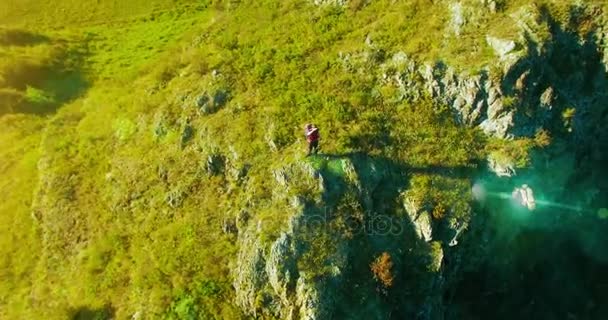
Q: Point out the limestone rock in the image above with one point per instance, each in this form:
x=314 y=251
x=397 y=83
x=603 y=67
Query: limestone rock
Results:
x=250 y=275
x=501 y=47
x=457 y=17
x=281 y=268
x=208 y=104
x=330 y=2
x=282 y=278
x=187 y=135
x=547 y=99
x=216 y=164
x=424 y=228
x=501 y=166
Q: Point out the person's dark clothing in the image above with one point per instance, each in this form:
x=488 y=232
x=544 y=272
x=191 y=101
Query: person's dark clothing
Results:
x=312 y=136
x=313 y=147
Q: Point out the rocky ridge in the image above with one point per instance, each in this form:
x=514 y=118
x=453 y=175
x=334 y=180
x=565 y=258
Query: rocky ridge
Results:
x=528 y=88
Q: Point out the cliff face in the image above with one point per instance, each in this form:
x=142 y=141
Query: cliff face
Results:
x=534 y=80
x=316 y=265
x=534 y=77
x=184 y=192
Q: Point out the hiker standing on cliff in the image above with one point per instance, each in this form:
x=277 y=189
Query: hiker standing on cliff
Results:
x=312 y=137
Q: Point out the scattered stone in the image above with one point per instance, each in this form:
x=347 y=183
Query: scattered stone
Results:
x=281 y=177
x=242 y=219
x=331 y=2
x=501 y=47
x=160 y=131
x=162 y=173
x=216 y=164
x=239 y=174
x=208 y=104
x=219 y=99
x=175 y=198
x=203 y=102
x=458 y=19
x=368 y=41
x=547 y=99
x=501 y=166
x=229 y=226
x=187 y=135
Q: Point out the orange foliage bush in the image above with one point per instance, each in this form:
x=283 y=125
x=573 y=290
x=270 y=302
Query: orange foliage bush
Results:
x=382 y=269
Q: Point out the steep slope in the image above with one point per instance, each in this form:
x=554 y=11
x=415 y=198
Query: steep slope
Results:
x=179 y=189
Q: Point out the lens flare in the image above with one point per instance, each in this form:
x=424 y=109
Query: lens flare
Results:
x=479 y=191
x=524 y=197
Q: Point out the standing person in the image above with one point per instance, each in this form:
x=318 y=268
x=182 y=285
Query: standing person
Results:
x=312 y=137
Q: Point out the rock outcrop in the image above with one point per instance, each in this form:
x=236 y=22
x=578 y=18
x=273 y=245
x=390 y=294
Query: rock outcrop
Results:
x=533 y=79
x=329 y=239
x=331 y=2
x=527 y=89
x=270 y=277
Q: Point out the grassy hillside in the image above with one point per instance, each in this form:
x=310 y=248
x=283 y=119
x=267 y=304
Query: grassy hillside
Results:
x=52 y=54
x=117 y=181
x=47 y=14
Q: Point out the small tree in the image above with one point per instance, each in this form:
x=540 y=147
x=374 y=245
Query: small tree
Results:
x=542 y=138
x=382 y=270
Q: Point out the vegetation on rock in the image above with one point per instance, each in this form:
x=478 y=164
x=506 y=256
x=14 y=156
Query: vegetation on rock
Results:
x=153 y=164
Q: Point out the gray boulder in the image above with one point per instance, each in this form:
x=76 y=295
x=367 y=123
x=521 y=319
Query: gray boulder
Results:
x=501 y=47
x=211 y=103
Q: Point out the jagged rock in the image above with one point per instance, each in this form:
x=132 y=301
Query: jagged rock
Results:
x=241 y=220
x=291 y=283
x=501 y=166
x=281 y=177
x=457 y=16
x=175 y=198
x=239 y=174
x=457 y=229
x=476 y=100
x=424 y=228
x=220 y=97
x=491 y=5
x=229 y=226
x=499 y=120
x=501 y=47
x=208 y=104
x=437 y=255
x=250 y=276
x=420 y=219
x=289 y=293
x=314 y=304
x=331 y=2
x=203 y=102
x=281 y=268
x=547 y=99
x=187 y=135
x=529 y=77
x=216 y=164
x=521 y=82
x=411 y=207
